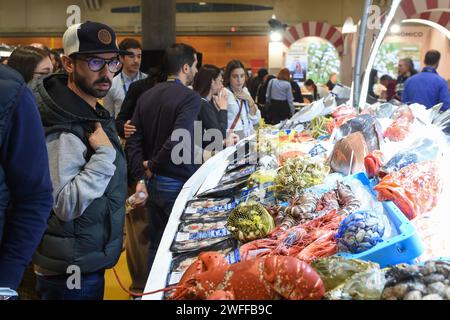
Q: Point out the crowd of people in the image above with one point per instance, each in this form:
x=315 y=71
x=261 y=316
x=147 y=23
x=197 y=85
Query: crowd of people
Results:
x=85 y=132
x=426 y=87
x=97 y=132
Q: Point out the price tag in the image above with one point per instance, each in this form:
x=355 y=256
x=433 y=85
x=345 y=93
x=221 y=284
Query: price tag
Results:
x=182 y=236
x=190 y=210
x=175 y=278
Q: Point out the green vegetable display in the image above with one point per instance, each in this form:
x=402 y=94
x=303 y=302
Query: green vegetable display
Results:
x=250 y=221
x=298 y=174
x=318 y=126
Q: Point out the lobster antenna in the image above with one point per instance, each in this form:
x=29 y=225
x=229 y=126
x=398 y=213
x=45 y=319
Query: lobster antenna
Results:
x=136 y=294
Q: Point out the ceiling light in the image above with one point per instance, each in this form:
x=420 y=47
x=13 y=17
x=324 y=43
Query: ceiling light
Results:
x=395 y=28
x=275 y=36
x=349 y=26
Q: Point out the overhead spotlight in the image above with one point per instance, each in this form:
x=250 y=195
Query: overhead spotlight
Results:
x=349 y=26
x=277 y=25
x=276 y=36
x=395 y=28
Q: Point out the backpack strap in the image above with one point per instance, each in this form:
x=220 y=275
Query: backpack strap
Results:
x=81 y=131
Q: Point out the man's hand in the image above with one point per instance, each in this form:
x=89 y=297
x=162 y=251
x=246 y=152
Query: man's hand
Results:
x=141 y=194
x=99 y=138
x=232 y=139
x=148 y=173
x=129 y=129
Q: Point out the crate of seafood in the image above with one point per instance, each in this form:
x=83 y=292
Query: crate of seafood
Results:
x=229 y=248
x=196 y=235
x=402 y=246
x=208 y=208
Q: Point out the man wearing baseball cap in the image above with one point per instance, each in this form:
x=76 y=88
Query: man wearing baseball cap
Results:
x=87 y=167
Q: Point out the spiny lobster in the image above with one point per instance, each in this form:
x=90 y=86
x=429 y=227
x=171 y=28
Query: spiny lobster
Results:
x=267 y=278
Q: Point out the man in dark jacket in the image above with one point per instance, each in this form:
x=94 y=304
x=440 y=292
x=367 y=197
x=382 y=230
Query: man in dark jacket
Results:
x=25 y=186
x=169 y=107
x=123 y=121
x=136 y=221
x=87 y=167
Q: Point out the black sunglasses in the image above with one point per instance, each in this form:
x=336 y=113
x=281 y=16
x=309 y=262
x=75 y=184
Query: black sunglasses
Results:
x=97 y=64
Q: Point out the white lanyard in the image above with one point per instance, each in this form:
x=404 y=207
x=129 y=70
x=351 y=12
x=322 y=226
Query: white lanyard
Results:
x=246 y=109
x=123 y=81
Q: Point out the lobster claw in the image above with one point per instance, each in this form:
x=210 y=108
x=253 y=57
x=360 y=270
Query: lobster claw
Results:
x=205 y=261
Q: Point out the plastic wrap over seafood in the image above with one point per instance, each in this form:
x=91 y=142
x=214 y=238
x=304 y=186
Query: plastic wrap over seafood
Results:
x=415 y=189
x=193 y=236
x=401 y=127
x=238 y=174
x=385 y=110
x=207 y=209
x=433 y=226
x=420 y=150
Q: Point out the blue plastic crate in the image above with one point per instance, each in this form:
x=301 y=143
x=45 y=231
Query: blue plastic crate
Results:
x=405 y=247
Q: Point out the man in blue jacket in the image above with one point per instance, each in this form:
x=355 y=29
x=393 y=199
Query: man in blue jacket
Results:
x=25 y=185
x=428 y=88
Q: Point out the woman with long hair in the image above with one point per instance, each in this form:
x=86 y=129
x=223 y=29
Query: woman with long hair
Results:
x=279 y=98
x=311 y=87
x=243 y=113
x=208 y=82
x=31 y=62
x=319 y=91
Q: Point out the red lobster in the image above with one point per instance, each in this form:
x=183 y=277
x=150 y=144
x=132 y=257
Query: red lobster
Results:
x=267 y=278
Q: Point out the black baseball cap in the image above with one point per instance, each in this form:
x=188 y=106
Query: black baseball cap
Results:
x=90 y=37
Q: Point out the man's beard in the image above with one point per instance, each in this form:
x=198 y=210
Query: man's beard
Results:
x=81 y=83
x=190 y=78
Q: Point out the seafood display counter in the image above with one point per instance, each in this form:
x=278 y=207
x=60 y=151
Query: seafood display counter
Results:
x=335 y=198
x=206 y=178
